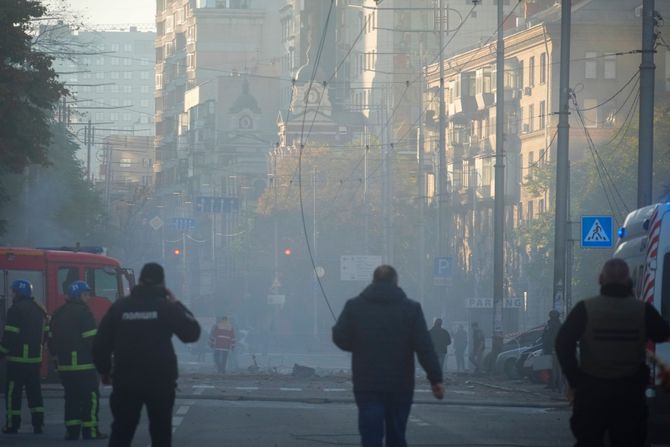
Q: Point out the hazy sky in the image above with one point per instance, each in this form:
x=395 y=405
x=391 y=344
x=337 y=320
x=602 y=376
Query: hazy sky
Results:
x=115 y=11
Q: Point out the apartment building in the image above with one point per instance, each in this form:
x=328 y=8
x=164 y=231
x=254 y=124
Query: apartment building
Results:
x=599 y=69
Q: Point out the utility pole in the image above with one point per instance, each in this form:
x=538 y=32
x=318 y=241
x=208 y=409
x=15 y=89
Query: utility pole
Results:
x=499 y=202
x=646 y=134
x=88 y=137
x=442 y=159
x=421 y=190
x=562 y=163
x=314 y=273
x=386 y=211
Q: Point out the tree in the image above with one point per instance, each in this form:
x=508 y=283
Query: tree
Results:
x=28 y=87
x=53 y=204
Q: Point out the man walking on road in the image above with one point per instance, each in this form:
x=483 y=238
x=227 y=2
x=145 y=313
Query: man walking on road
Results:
x=222 y=342
x=22 y=342
x=478 y=344
x=137 y=331
x=609 y=380
x=382 y=328
x=441 y=341
x=460 y=344
x=71 y=336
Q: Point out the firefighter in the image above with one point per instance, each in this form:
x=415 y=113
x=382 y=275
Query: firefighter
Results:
x=137 y=331
x=71 y=336
x=22 y=342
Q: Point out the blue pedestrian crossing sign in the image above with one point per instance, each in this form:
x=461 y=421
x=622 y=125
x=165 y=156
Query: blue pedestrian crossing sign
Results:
x=597 y=232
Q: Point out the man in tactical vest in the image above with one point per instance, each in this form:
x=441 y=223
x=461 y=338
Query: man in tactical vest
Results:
x=607 y=384
x=21 y=345
x=71 y=337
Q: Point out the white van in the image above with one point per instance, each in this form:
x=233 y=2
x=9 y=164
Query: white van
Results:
x=644 y=243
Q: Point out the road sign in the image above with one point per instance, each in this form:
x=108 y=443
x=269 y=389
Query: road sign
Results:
x=277 y=300
x=217 y=205
x=358 y=267
x=183 y=223
x=156 y=223
x=443 y=269
x=487 y=303
x=597 y=232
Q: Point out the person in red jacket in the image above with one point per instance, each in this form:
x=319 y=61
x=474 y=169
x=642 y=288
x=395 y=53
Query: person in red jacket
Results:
x=222 y=341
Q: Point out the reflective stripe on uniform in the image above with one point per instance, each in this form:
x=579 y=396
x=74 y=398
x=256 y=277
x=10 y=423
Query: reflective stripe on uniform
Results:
x=72 y=422
x=90 y=333
x=9 y=328
x=10 y=411
x=82 y=367
x=37 y=410
x=15 y=359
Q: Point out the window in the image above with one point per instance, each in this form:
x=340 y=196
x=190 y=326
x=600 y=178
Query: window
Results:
x=543 y=113
x=104 y=282
x=126 y=117
x=100 y=75
x=540 y=206
x=127 y=62
x=531 y=71
x=144 y=103
x=66 y=276
x=590 y=112
x=665 y=287
x=99 y=116
x=543 y=68
x=590 y=65
x=99 y=88
x=531 y=118
x=128 y=47
x=531 y=159
x=115 y=47
x=114 y=75
x=114 y=102
x=114 y=116
x=529 y=212
x=610 y=67
x=127 y=89
x=127 y=103
x=100 y=61
x=127 y=75
x=125 y=163
x=144 y=89
x=144 y=75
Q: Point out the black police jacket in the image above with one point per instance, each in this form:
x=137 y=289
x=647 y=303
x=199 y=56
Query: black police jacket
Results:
x=134 y=341
x=24 y=332
x=383 y=329
x=71 y=335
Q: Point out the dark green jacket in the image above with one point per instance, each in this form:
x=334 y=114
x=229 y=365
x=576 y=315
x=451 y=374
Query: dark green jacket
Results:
x=71 y=337
x=24 y=332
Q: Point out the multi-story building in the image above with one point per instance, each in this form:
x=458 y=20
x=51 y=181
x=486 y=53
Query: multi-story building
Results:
x=216 y=105
x=531 y=90
x=110 y=78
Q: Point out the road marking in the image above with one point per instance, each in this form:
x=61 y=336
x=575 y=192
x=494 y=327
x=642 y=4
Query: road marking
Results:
x=177 y=420
x=182 y=410
x=246 y=388
x=203 y=386
x=289 y=389
x=334 y=390
x=198 y=391
x=423 y=391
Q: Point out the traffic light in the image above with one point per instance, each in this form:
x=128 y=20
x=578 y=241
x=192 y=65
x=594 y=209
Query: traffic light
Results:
x=176 y=252
x=288 y=251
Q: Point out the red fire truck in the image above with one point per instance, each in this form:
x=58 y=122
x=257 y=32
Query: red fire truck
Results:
x=52 y=270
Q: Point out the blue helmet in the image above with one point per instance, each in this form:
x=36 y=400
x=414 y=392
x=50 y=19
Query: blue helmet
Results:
x=22 y=287
x=77 y=288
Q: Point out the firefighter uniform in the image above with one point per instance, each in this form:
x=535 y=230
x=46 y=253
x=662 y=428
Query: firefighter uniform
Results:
x=22 y=342
x=137 y=331
x=72 y=332
x=610 y=377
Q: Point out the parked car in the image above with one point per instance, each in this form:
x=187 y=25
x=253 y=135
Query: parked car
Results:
x=512 y=350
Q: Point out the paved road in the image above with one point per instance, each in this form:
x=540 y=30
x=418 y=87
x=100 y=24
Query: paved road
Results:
x=281 y=411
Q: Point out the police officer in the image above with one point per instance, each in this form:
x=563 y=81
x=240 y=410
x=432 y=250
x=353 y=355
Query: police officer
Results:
x=71 y=336
x=137 y=331
x=607 y=384
x=21 y=344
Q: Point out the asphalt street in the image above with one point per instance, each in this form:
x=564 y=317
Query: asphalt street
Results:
x=284 y=411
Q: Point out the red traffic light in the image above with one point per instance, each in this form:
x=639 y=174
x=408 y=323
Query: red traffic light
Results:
x=176 y=251
x=288 y=252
